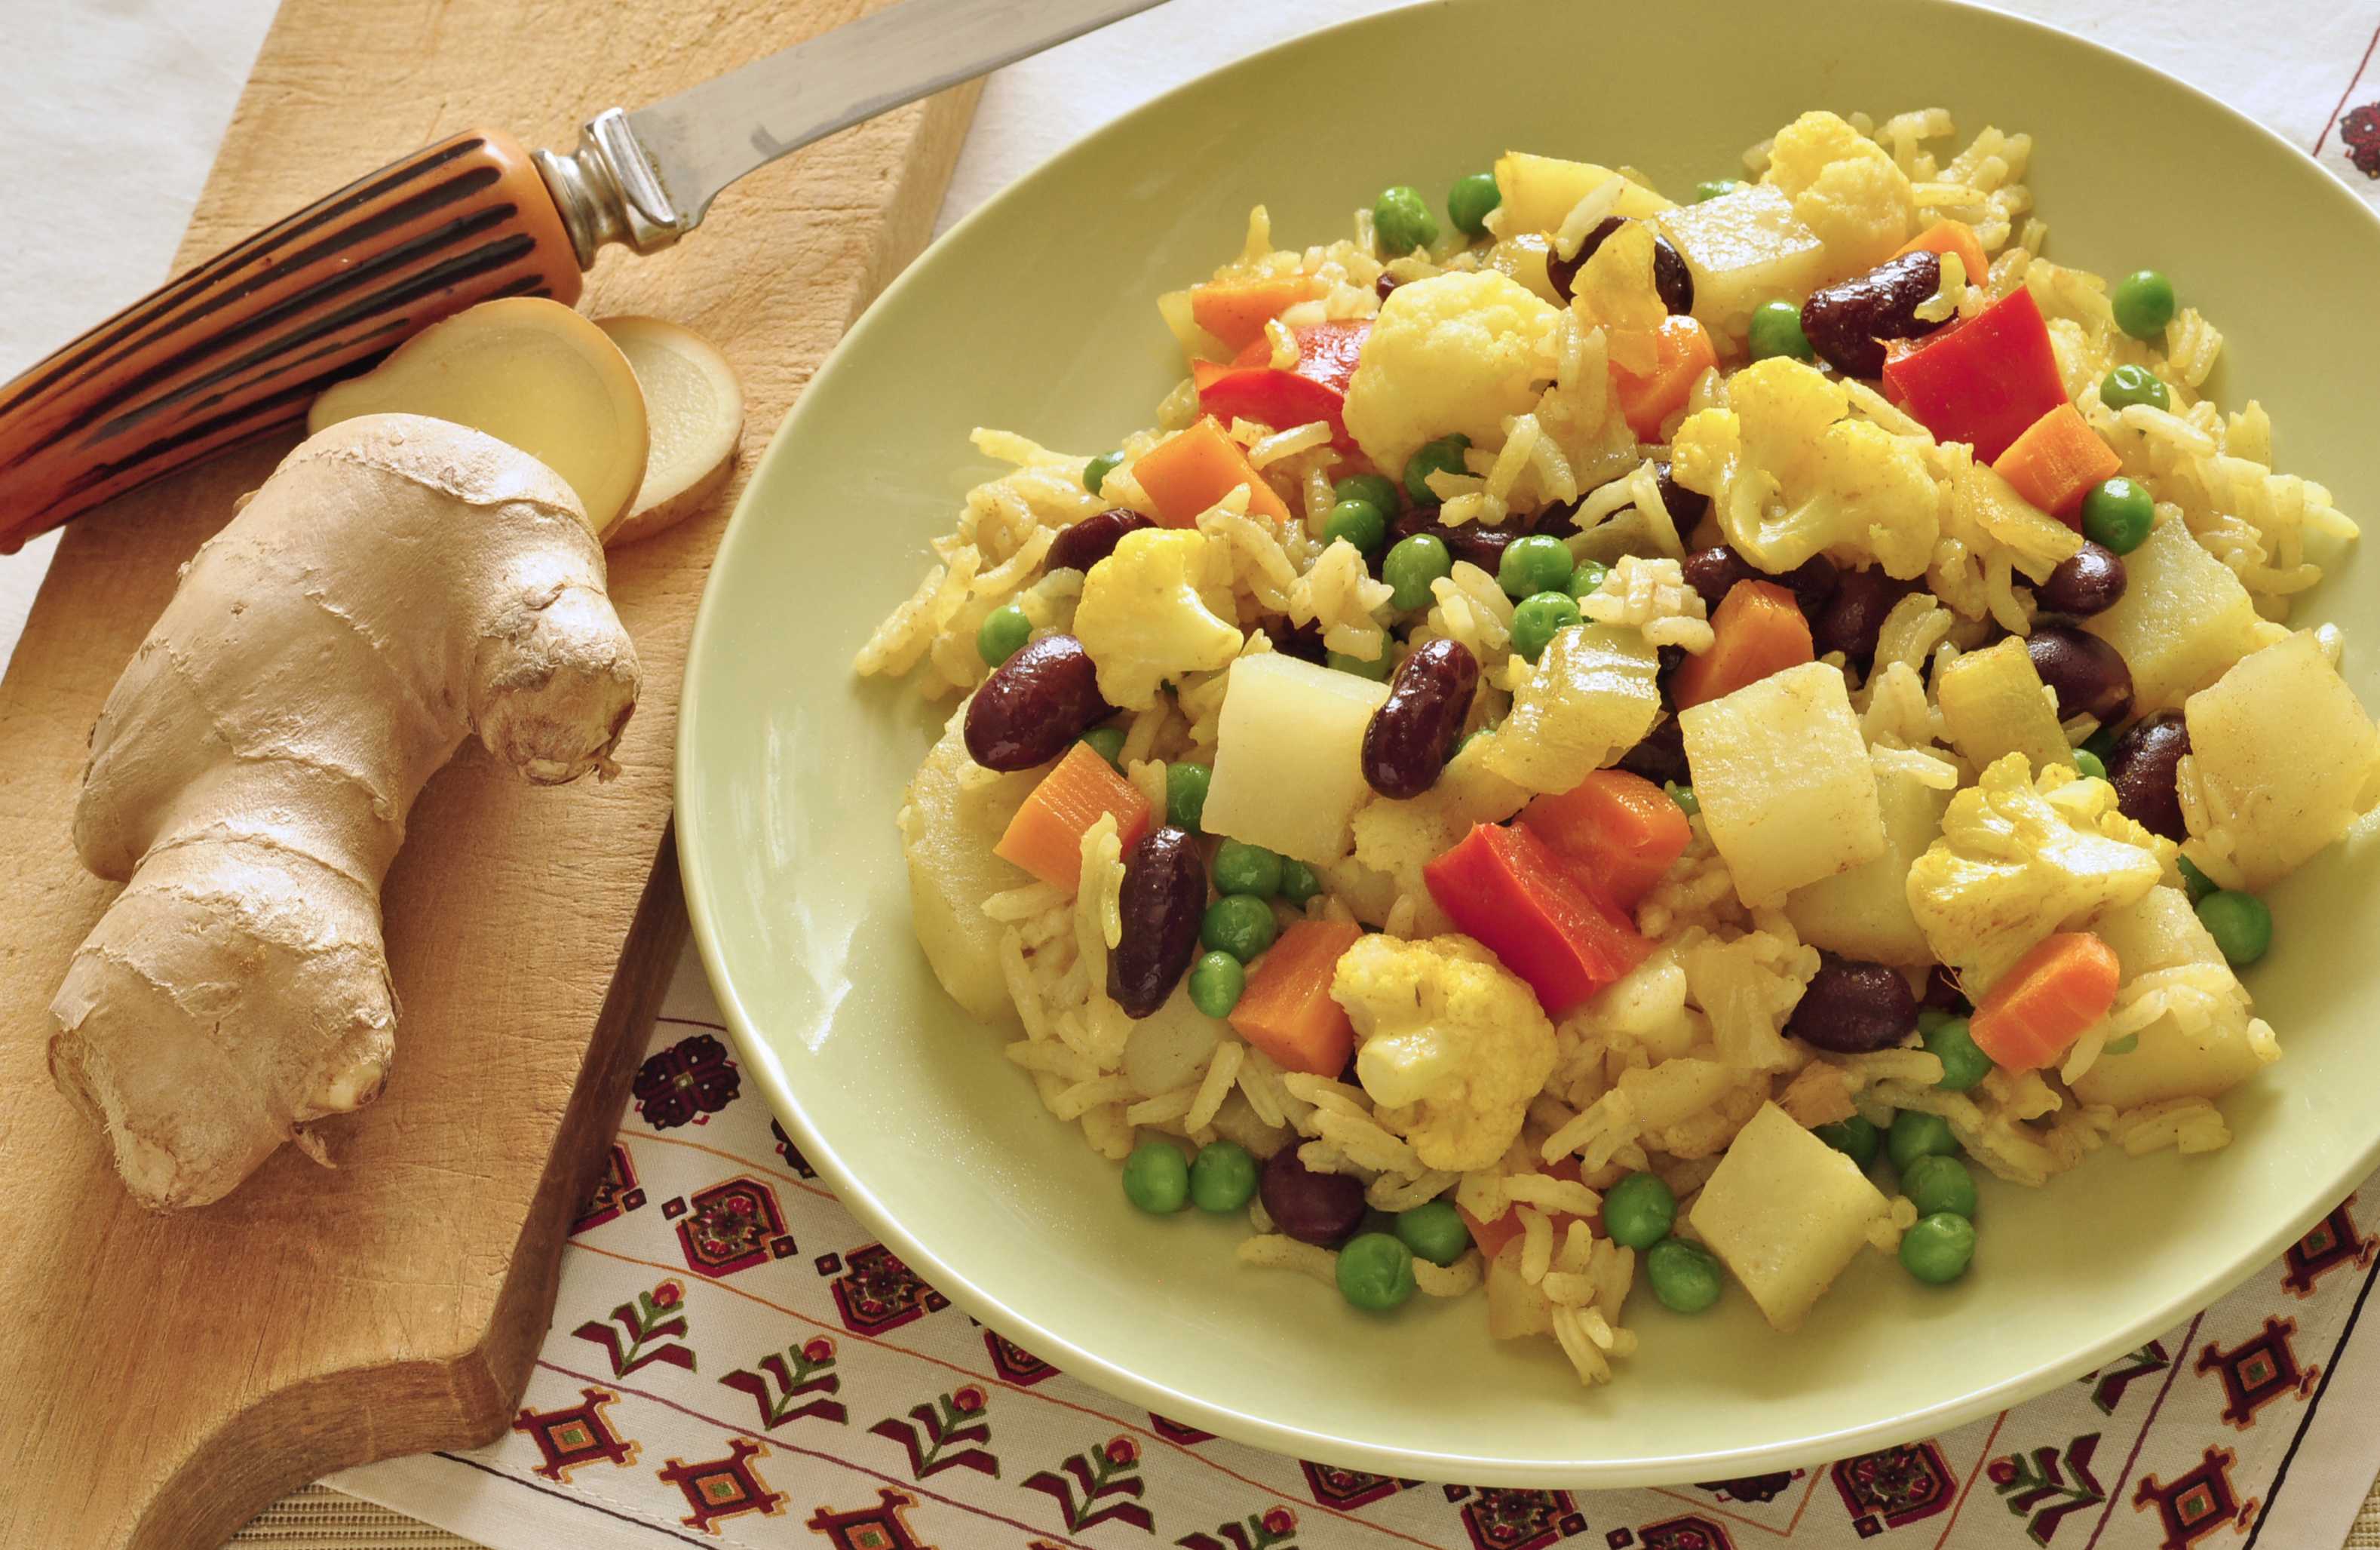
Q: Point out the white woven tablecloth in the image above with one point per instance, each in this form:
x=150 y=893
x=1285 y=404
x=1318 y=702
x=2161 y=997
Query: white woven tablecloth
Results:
x=797 y=1365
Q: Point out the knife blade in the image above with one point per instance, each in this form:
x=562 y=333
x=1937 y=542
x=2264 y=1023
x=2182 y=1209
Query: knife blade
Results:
x=240 y=345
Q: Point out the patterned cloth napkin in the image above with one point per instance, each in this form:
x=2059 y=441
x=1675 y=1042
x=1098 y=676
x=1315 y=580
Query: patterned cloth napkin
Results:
x=736 y=1360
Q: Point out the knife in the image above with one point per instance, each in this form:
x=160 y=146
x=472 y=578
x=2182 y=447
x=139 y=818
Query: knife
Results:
x=240 y=345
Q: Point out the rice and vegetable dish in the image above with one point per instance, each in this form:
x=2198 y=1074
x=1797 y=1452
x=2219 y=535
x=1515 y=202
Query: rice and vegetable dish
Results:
x=1621 y=731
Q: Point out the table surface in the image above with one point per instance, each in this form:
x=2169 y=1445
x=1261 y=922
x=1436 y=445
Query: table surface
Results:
x=114 y=108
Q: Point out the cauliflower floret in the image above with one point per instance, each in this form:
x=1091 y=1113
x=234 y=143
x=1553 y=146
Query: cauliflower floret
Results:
x=1142 y=620
x=1846 y=189
x=1454 y=352
x=1449 y=1035
x=1791 y=476
x=2021 y=857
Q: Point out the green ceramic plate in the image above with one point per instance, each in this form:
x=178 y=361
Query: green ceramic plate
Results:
x=1037 y=314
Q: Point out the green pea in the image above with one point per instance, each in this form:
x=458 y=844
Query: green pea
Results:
x=1402 y=222
x=1246 y=869
x=2090 y=764
x=1376 y=489
x=1106 y=741
x=1377 y=670
x=1002 y=634
x=1468 y=739
x=1638 y=1211
x=1469 y=201
x=1964 y=1064
x=2196 y=884
x=1412 y=566
x=1936 y=1184
x=1775 y=329
x=2101 y=745
x=1156 y=1178
x=2124 y=1045
x=1359 y=522
x=2240 y=923
x=1376 y=1272
x=1938 y=1246
x=1539 y=619
x=1685 y=1276
x=1298 y=883
x=1223 y=1177
x=1688 y=803
x=1217 y=982
x=2127 y=385
x=1931 y=1018
x=1186 y=794
x=2118 y=514
x=1095 y=471
x=1916 y=1135
x=1586 y=577
x=1539 y=563
x=1442 y=456
x=2144 y=303
x=1714 y=187
x=1854 y=1138
x=1240 y=924
x=1434 y=1232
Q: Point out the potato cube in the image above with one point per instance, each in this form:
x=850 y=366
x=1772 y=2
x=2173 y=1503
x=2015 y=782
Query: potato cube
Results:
x=1289 y=763
x=1514 y=1307
x=2279 y=755
x=1785 y=1213
x=1743 y=249
x=947 y=828
x=1787 y=791
x=1993 y=701
x=2183 y=620
x=2157 y=931
x=1863 y=913
x=1537 y=193
x=1592 y=696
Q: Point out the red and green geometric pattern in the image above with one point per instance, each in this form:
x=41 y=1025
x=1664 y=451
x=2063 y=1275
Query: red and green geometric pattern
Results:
x=883 y=1527
x=725 y=1487
x=733 y=1225
x=578 y=1436
x=2259 y=1370
x=2197 y=1504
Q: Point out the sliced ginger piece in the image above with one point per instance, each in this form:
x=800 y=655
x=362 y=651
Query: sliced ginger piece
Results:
x=533 y=374
x=695 y=406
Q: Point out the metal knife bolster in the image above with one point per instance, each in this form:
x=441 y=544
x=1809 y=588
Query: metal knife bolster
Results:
x=607 y=191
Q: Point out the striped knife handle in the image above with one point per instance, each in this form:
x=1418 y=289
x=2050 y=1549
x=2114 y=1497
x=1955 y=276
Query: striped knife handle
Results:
x=240 y=345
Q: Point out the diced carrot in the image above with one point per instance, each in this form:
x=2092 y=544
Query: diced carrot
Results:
x=1622 y=830
x=1685 y=353
x=1046 y=835
x=1491 y=1236
x=1952 y=236
x=2057 y=461
x=2037 y=1008
x=1236 y=314
x=1196 y=469
x=1759 y=629
x=1287 y=1010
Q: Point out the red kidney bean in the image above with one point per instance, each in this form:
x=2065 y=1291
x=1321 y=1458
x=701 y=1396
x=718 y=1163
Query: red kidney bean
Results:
x=1661 y=756
x=1034 y=704
x=1942 y=993
x=1812 y=583
x=1164 y=899
x=1323 y=1208
x=1687 y=507
x=1855 y=615
x=1413 y=734
x=2088 y=674
x=1852 y=1008
x=1557 y=520
x=1849 y=321
x=1671 y=278
x=2091 y=582
x=1385 y=283
x=1094 y=538
x=1714 y=573
x=1482 y=546
x=1304 y=642
x=2142 y=767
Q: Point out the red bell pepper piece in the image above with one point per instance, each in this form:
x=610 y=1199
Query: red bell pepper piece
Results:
x=1507 y=888
x=1984 y=382
x=1315 y=390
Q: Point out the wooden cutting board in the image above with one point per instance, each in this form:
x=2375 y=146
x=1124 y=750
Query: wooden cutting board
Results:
x=162 y=1379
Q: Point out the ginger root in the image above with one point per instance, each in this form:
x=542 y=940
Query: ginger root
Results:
x=398 y=584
